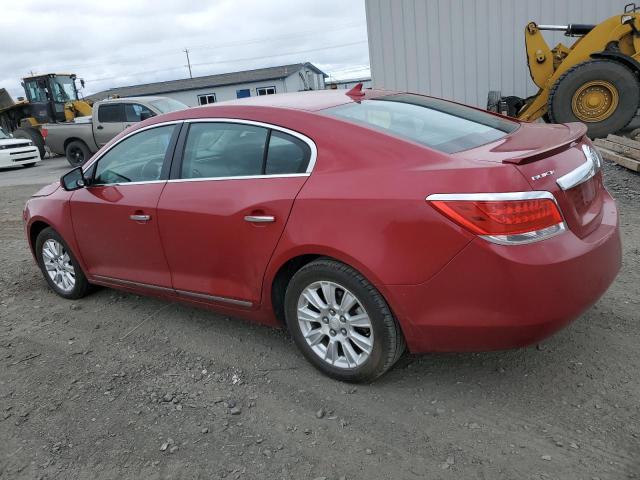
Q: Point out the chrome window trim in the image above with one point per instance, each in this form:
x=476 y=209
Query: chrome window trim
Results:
x=245 y=177
x=183 y=293
x=584 y=172
x=96 y=158
x=515 y=239
x=293 y=133
x=312 y=158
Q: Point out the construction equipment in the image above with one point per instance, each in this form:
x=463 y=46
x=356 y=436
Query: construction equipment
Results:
x=595 y=81
x=50 y=98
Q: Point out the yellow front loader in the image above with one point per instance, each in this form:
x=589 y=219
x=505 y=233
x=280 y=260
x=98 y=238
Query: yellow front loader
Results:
x=595 y=81
x=50 y=98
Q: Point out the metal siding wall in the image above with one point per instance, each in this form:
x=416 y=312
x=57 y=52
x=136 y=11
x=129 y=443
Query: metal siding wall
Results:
x=461 y=49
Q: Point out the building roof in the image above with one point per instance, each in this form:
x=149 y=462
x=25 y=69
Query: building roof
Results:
x=209 y=81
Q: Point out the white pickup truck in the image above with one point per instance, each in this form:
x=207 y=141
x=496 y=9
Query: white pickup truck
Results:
x=80 y=139
x=17 y=151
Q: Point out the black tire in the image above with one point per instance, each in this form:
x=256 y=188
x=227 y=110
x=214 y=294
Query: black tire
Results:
x=28 y=165
x=81 y=286
x=77 y=153
x=32 y=134
x=493 y=101
x=388 y=341
x=621 y=77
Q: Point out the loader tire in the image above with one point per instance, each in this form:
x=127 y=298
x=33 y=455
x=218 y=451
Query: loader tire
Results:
x=603 y=94
x=33 y=134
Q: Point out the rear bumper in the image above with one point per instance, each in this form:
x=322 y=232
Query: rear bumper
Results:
x=19 y=156
x=493 y=297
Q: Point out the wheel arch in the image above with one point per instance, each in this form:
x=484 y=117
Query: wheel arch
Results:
x=74 y=139
x=282 y=270
x=34 y=230
x=626 y=60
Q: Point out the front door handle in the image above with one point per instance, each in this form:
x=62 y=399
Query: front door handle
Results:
x=260 y=218
x=99 y=127
x=140 y=218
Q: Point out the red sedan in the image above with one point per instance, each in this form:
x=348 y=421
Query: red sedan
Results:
x=367 y=222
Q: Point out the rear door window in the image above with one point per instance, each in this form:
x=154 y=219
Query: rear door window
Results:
x=287 y=154
x=110 y=113
x=219 y=150
x=438 y=124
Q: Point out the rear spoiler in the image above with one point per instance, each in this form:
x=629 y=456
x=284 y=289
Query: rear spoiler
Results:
x=576 y=132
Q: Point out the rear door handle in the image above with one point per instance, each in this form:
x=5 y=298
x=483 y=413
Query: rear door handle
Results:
x=260 y=218
x=99 y=127
x=140 y=218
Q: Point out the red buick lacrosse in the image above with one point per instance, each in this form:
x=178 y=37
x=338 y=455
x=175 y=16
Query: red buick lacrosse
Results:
x=368 y=222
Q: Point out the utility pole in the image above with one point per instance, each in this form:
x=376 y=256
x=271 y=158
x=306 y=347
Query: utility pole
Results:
x=186 y=50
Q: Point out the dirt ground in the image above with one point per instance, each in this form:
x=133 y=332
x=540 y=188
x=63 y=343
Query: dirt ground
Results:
x=119 y=386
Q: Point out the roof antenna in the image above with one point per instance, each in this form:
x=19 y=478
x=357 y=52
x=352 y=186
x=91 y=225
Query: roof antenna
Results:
x=356 y=92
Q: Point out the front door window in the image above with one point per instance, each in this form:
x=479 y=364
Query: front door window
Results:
x=138 y=158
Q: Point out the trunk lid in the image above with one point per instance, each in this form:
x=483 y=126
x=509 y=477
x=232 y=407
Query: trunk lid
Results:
x=544 y=153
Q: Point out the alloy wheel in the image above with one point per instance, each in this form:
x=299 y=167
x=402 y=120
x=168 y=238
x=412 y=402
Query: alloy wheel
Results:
x=57 y=263
x=335 y=324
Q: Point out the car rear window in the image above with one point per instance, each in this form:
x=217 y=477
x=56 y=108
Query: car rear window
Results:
x=438 y=124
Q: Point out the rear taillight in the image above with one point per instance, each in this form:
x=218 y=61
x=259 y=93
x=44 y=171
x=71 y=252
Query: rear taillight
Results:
x=44 y=132
x=505 y=218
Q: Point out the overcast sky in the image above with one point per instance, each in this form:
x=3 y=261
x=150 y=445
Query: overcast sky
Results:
x=113 y=43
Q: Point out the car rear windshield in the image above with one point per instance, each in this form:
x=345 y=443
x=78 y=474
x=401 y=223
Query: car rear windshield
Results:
x=166 y=105
x=438 y=124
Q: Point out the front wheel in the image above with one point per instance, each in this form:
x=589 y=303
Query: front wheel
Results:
x=60 y=268
x=341 y=323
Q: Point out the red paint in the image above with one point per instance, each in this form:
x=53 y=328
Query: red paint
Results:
x=364 y=204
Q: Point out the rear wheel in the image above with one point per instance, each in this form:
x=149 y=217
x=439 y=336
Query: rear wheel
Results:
x=33 y=134
x=60 y=268
x=77 y=153
x=341 y=323
x=601 y=93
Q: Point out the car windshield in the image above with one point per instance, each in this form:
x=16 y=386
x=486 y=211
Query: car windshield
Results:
x=438 y=124
x=3 y=135
x=166 y=105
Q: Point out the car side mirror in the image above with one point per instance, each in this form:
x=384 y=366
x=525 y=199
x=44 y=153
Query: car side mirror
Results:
x=73 y=180
x=145 y=115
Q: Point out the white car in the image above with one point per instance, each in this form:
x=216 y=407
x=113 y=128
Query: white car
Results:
x=17 y=151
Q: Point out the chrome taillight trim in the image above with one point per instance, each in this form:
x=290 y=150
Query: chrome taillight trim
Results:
x=492 y=196
x=525 y=238
x=515 y=239
x=584 y=172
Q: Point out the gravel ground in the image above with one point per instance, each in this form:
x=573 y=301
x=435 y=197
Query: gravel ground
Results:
x=121 y=386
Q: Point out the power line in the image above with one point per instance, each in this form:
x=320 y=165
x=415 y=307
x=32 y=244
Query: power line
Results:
x=229 y=61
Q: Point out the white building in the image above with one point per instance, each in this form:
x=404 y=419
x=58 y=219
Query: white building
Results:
x=347 y=83
x=461 y=49
x=228 y=86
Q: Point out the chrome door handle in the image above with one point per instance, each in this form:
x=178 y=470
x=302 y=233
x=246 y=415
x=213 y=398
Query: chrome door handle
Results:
x=259 y=218
x=140 y=218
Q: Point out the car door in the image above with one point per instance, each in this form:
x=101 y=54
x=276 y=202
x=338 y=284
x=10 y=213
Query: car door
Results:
x=115 y=218
x=110 y=122
x=225 y=207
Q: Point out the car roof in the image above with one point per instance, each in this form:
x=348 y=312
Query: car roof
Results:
x=312 y=100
